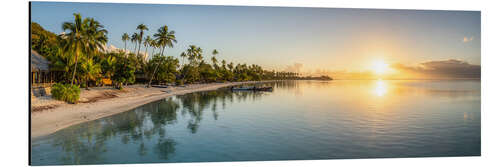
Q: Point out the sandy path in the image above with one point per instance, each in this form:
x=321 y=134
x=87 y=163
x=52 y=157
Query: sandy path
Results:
x=64 y=115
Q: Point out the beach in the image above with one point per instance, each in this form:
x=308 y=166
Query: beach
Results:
x=49 y=115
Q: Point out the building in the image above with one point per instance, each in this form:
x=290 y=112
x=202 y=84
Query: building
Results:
x=42 y=77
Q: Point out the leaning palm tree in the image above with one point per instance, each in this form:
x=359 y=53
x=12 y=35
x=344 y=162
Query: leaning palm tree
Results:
x=141 y=28
x=75 y=40
x=164 y=38
x=125 y=38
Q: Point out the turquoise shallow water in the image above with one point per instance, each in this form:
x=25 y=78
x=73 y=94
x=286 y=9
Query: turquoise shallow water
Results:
x=299 y=120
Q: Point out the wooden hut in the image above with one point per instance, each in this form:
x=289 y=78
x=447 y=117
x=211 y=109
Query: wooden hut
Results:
x=42 y=77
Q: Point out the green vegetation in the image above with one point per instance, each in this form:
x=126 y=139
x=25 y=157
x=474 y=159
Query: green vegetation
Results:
x=65 y=92
x=80 y=53
x=44 y=42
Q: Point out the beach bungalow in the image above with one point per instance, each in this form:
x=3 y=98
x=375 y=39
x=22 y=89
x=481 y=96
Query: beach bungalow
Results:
x=42 y=77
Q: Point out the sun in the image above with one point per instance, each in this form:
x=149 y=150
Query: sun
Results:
x=380 y=67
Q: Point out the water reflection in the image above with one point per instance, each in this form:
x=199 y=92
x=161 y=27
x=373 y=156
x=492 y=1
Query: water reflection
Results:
x=87 y=142
x=380 y=88
x=424 y=118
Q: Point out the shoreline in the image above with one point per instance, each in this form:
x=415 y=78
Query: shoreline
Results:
x=63 y=115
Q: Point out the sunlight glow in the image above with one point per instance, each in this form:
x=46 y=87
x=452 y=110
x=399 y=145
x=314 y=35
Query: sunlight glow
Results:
x=380 y=67
x=380 y=88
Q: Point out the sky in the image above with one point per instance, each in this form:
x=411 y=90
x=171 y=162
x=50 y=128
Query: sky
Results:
x=308 y=40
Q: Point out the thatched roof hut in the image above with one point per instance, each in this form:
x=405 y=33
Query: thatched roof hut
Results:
x=38 y=63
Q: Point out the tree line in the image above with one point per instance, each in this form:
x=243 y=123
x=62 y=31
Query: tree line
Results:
x=80 y=51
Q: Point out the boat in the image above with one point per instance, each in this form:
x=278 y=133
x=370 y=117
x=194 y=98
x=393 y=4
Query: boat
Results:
x=264 y=88
x=159 y=86
x=243 y=88
x=252 y=88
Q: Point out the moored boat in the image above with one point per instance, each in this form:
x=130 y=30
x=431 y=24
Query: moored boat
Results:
x=252 y=88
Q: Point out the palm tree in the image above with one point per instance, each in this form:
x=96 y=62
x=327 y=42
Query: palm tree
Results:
x=215 y=52
x=164 y=38
x=125 y=38
x=214 y=60
x=194 y=53
x=75 y=39
x=95 y=39
x=62 y=60
x=95 y=36
x=224 y=64
x=147 y=43
x=191 y=52
x=199 y=53
x=109 y=66
x=141 y=28
x=230 y=66
x=84 y=36
x=135 y=38
x=183 y=55
x=154 y=45
x=90 y=71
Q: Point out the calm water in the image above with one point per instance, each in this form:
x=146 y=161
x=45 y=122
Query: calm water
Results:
x=298 y=120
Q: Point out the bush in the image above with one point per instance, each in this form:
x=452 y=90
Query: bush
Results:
x=179 y=82
x=65 y=92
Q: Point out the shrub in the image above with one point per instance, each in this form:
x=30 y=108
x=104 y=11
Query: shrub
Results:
x=179 y=82
x=65 y=92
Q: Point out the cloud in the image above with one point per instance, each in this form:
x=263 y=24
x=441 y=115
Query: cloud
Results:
x=294 y=68
x=468 y=39
x=451 y=68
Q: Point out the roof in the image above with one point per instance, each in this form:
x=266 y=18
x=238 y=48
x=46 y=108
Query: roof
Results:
x=38 y=63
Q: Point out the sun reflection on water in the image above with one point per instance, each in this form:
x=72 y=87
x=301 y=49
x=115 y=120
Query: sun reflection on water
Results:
x=380 y=88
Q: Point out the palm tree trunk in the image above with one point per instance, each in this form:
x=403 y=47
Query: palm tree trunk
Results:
x=74 y=69
x=152 y=76
x=135 y=47
x=139 y=49
x=145 y=53
x=87 y=84
x=162 y=50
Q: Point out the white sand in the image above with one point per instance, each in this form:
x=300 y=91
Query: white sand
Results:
x=58 y=115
